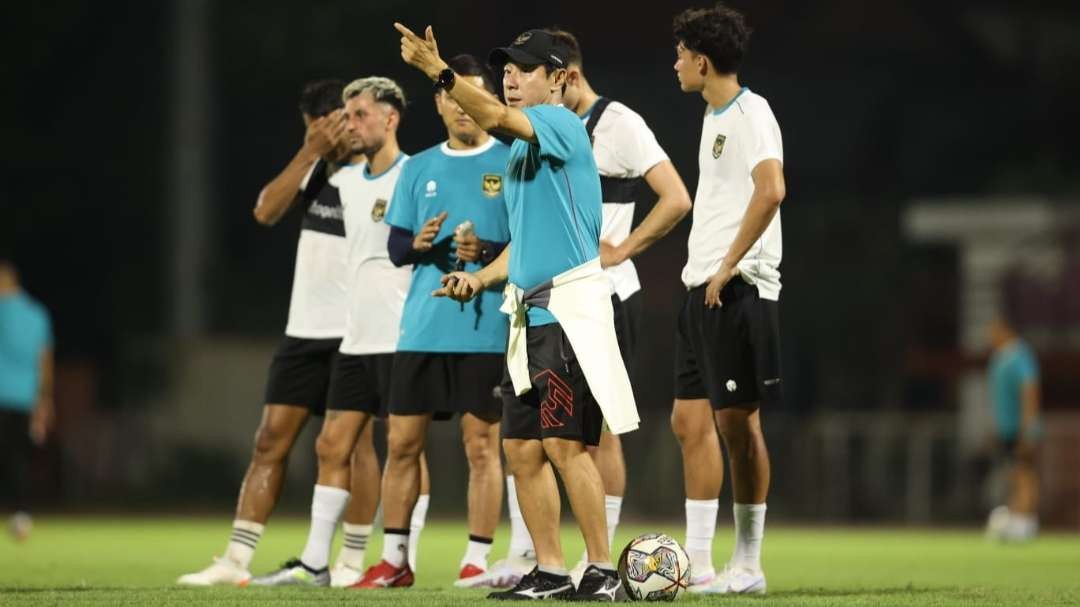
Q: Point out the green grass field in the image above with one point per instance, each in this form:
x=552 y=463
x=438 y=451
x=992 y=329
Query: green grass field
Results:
x=134 y=562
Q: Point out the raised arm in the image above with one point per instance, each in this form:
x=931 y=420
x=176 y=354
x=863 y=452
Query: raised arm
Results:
x=488 y=112
x=671 y=207
x=278 y=196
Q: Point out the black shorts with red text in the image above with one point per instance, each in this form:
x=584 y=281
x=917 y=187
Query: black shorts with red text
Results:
x=560 y=404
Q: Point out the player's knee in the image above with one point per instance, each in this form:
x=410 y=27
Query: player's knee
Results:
x=272 y=443
x=738 y=429
x=480 y=452
x=523 y=457
x=561 y=452
x=689 y=431
x=330 y=451
x=404 y=445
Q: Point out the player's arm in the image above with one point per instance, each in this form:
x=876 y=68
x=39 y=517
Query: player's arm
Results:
x=41 y=418
x=488 y=112
x=463 y=286
x=406 y=248
x=278 y=196
x=769 y=191
x=673 y=204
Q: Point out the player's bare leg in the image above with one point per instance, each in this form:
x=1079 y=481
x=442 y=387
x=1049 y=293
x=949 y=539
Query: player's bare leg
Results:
x=538 y=496
x=608 y=457
x=1023 y=502
x=740 y=428
x=334 y=449
x=703 y=473
x=364 y=490
x=584 y=488
x=481 y=441
x=259 y=493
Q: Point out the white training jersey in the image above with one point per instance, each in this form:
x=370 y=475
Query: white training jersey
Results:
x=376 y=289
x=734 y=139
x=317 y=305
x=625 y=149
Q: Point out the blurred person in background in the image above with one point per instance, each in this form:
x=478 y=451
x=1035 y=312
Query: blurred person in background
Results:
x=1014 y=402
x=26 y=390
x=300 y=372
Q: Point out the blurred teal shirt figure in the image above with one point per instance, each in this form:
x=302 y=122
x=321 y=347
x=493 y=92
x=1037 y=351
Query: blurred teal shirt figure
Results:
x=1010 y=368
x=25 y=333
x=553 y=195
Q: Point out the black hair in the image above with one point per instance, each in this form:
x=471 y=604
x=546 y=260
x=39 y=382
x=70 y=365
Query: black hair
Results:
x=468 y=65
x=720 y=33
x=320 y=97
x=568 y=41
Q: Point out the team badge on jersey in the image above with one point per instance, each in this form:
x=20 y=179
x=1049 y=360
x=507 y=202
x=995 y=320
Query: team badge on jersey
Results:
x=718 y=146
x=378 y=210
x=492 y=184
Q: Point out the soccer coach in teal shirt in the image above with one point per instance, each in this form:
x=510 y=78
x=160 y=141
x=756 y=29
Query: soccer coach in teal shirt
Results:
x=553 y=197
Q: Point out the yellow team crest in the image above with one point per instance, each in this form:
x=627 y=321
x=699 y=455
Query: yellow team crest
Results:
x=718 y=146
x=492 y=185
x=378 y=210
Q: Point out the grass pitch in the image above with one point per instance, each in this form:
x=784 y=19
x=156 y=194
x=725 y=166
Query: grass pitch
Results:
x=99 y=561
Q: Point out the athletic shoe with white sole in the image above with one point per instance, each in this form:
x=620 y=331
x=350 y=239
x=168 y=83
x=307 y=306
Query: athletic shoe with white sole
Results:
x=537 y=585
x=734 y=580
x=343 y=576
x=470 y=576
x=385 y=575
x=600 y=585
x=222 y=572
x=502 y=574
x=294 y=573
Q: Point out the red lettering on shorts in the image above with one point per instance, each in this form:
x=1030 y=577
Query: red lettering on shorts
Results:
x=558 y=403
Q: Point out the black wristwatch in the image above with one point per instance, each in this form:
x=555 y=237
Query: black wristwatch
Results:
x=445 y=80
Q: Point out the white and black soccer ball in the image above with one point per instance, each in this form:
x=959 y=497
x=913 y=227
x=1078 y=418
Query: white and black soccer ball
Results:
x=654 y=567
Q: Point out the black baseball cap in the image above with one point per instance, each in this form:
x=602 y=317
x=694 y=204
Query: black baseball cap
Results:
x=534 y=47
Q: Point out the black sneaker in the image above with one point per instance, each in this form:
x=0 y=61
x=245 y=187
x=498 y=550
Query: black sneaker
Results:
x=537 y=585
x=600 y=585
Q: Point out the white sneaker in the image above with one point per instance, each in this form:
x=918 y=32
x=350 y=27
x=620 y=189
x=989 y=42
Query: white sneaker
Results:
x=502 y=574
x=343 y=576
x=997 y=523
x=734 y=580
x=222 y=572
x=701 y=579
x=20 y=526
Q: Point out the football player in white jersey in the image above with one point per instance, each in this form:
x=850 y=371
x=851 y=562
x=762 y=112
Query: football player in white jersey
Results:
x=727 y=364
x=375 y=294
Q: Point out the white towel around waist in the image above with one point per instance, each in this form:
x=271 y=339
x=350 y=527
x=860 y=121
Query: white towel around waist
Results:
x=580 y=300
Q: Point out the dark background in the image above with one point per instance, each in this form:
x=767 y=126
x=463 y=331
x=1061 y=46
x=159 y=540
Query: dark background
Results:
x=879 y=103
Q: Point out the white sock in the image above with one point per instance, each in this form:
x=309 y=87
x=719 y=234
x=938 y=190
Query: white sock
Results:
x=612 y=507
x=416 y=525
x=241 y=547
x=520 y=540
x=477 y=552
x=395 y=548
x=700 y=529
x=327 y=505
x=749 y=531
x=354 y=547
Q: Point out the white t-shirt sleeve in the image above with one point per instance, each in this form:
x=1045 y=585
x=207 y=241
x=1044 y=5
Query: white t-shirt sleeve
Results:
x=635 y=146
x=764 y=140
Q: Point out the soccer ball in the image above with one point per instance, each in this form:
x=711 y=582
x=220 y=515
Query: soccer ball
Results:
x=654 y=567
